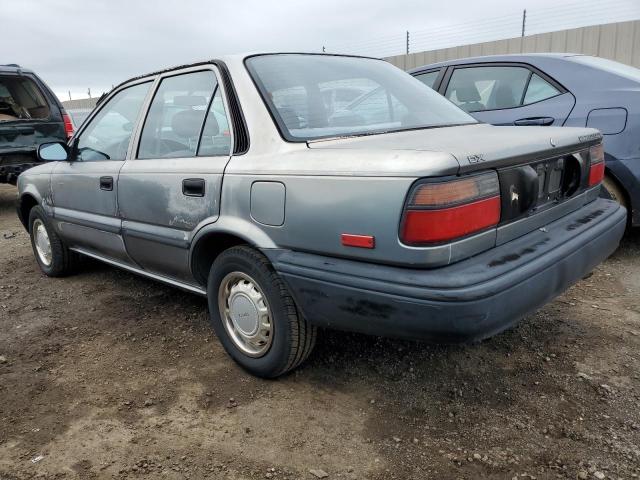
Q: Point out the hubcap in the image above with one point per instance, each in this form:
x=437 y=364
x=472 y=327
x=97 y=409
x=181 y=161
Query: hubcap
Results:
x=245 y=314
x=42 y=243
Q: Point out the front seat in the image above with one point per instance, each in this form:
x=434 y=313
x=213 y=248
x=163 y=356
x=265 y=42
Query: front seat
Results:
x=470 y=97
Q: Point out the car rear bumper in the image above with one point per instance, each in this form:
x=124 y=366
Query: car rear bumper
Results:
x=468 y=300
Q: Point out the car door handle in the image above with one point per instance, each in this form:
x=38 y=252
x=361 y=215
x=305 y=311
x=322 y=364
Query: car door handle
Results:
x=540 y=121
x=106 y=183
x=193 y=187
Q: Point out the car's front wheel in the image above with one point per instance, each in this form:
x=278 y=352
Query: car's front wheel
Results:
x=254 y=315
x=52 y=255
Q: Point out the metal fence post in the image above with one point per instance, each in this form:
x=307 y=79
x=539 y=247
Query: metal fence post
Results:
x=407 y=42
x=524 y=21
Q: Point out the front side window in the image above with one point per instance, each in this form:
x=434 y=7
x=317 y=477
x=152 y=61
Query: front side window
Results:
x=177 y=114
x=316 y=96
x=428 y=78
x=108 y=134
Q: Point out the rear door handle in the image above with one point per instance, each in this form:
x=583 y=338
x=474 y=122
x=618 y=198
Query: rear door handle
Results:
x=106 y=183
x=193 y=187
x=540 y=121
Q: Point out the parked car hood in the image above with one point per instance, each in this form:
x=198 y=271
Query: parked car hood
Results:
x=477 y=146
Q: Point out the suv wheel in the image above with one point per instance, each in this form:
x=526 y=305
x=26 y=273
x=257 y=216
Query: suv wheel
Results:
x=53 y=257
x=254 y=315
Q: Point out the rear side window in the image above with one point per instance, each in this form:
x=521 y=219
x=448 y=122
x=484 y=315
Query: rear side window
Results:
x=177 y=116
x=539 y=89
x=475 y=89
x=428 y=78
x=21 y=99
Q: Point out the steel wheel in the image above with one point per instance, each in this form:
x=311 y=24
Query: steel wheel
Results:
x=245 y=313
x=42 y=242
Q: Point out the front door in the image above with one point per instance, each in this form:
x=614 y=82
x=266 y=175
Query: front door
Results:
x=85 y=188
x=171 y=186
x=509 y=94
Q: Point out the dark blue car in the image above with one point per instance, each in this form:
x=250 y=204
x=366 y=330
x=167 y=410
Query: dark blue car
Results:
x=555 y=89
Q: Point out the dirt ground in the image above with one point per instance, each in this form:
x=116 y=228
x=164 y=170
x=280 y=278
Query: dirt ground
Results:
x=107 y=375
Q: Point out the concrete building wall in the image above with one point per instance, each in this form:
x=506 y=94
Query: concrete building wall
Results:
x=616 y=41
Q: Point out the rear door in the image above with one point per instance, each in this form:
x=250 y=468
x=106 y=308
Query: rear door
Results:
x=508 y=94
x=172 y=185
x=85 y=188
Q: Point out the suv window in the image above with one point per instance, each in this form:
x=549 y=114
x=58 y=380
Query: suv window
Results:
x=108 y=134
x=176 y=116
x=21 y=99
x=428 y=78
x=475 y=89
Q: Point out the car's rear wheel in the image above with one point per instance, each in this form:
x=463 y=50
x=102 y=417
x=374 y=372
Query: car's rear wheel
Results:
x=52 y=255
x=614 y=191
x=254 y=315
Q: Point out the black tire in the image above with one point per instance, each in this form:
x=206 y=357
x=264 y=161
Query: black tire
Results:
x=292 y=339
x=62 y=259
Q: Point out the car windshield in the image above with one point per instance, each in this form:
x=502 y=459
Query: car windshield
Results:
x=317 y=96
x=610 y=66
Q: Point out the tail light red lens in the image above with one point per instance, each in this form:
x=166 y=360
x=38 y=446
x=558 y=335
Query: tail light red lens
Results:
x=443 y=211
x=68 y=124
x=596 y=170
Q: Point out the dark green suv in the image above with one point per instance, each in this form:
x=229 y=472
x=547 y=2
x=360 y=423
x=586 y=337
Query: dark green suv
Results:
x=30 y=114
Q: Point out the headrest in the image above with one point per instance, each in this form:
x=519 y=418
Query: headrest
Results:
x=187 y=123
x=504 y=97
x=467 y=93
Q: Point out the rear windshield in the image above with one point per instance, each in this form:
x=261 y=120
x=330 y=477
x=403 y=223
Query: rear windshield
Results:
x=316 y=96
x=609 y=66
x=21 y=99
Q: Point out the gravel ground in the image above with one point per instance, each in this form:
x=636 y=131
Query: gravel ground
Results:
x=107 y=375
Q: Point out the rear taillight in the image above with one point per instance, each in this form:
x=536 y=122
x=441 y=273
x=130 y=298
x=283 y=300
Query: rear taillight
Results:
x=442 y=211
x=68 y=124
x=596 y=170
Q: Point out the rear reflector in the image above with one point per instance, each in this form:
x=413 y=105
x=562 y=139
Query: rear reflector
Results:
x=596 y=171
x=68 y=125
x=362 y=241
x=442 y=211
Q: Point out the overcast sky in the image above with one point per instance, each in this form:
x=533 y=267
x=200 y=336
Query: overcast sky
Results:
x=79 y=44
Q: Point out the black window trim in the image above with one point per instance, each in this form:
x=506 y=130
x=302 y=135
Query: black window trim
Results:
x=532 y=69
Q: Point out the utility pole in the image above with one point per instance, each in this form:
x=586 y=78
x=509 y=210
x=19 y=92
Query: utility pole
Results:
x=89 y=92
x=407 y=42
x=69 y=94
x=323 y=49
x=524 y=21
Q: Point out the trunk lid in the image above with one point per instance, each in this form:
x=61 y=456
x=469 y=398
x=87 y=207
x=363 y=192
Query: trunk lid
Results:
x=538 y=168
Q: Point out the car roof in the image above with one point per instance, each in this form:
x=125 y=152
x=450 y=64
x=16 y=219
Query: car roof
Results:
x=235 y=58
x=13 y=68
x=511 y=57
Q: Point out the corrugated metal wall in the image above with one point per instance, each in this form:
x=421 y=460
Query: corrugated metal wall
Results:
x=617 y=41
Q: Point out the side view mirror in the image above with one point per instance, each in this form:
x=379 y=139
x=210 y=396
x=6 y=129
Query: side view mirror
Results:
x=53 y=152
